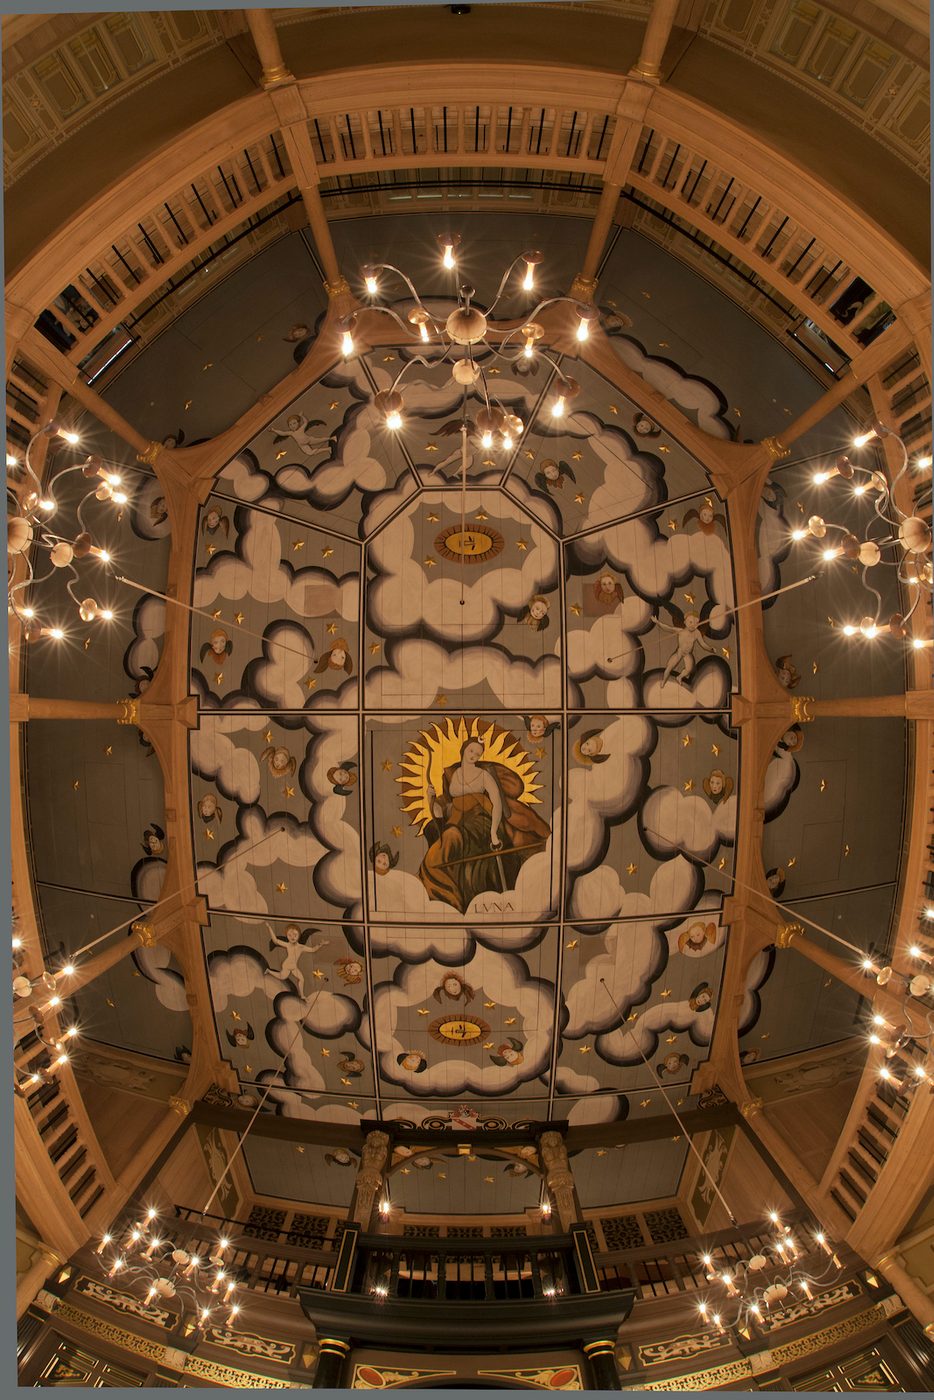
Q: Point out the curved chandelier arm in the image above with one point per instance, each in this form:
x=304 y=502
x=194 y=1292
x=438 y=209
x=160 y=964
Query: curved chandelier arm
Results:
x=502 y=286
x=406 y=325
x=391 y=267
x=415 y=360
x=888 y=432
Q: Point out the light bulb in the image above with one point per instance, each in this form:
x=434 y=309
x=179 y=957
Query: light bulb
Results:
x=371 y=285
x=47 y=504
x=106 y=614
x=70 y=437
x=828 y=554
x=394 y=420
x=11 y=461
x=71 y=1032
x=28 y=612
x=820 y=477
x=862 y=438
x=115 y=478
x=528 y=282
x=120 y=497
x=929 y=913
x=528 y=351
x=487 y=440
x=702 y=1309
x=755 y=1310
x=347 y=345
x=423 y=330
x=55 y=1001
x=799 y=534
x=868 y=965
x=859 y=490
x=849 y=630
x=68 y=970
x=773 y=1216
x=448 y=259
x=546 y=1207
x=923 y=461
x=919 y=1072
x=557 y=408
x=105 y=1241
x=583 y=329
x=507 y=442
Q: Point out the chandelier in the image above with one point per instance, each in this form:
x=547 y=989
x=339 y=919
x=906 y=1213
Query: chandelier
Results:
x=889 y=537
x=33 y=538
x=464 y=334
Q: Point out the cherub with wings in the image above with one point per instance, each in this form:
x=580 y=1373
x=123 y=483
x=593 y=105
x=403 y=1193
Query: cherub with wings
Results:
x=343 y=777
x=687 y=631
x=539 y=727
x=218 y=645
x=336 y=658
x=607 y=590
x=552 y=474
x=718 y=786
x=707 y=519
x=297 y=428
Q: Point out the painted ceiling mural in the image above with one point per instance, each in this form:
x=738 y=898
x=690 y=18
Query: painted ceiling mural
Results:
x=464 y=786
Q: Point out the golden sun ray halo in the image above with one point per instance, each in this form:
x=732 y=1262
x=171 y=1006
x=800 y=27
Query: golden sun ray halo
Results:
x=425 y=762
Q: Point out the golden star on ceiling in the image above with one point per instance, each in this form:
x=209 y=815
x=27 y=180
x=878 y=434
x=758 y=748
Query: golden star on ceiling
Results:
x=432 y=517
x=87 y=643
x=510 y=1021
x=663 y=344
x=530 y=454
x=814 y=667
x=489 y=1005
x=614 y=408
x=374 y=648
x=573 y=943
x=686 y=740
x=765 y=1035
x=238 y=618
x=218 y=677
x=288 y=791
x=405 y=1171
x=215 y=615
x=431 y=447
x=280 y=454
x=396 y=830
x=846 y=851
x=297 y=545
x=644 y=1103
x=576 y=609
x=326 y=551
x=326 y=1053
x=76 y=784
x=347 y=1083
x=423 y=1011
x=679 y=1103
x=268 y=736
x=488 y=462
x=332 y=628
x=137 y=973
x=441 y=700
x=108 y=751
x=352 y=1103
x=632 y=869
x=823 y=785
x=665 y=993
x=522 y=544
x=715 y=750
x=790 y=863
x=721 y=863
x=488 y=1180
x=110 y=1003
x=688 y=785
x=663 y=448
x=577 y=456
x=602 y=1151
x=281 y=888
x=688 y=598
x=188 y=403
x=580 y=498
x=235 y=1015
x=481 y=515
x=387 y=765
x=725 y=651
x=333 y=404
x=488 y=1045
x=633 y=1016
x=539 y=754
x=310 y=682
x=583 y=1050
x=209 y=834
x=299 y=1149
x=428 y=562
x=442 y=1176
x=672 y=524
x=676 y=1138
x=318 y=974
x=388 y=359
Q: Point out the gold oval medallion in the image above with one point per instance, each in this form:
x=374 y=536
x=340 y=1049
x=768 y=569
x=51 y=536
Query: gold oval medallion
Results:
x=469 y=546
x=458 y=1030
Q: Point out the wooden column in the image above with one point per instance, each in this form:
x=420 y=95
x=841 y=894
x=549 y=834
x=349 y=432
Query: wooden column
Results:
x=559 y=1178
x=657 y=33
x=373 y=1161
x=793 y=936
x=918 y=1302
x=34 y=1278
x=266 y=42
x=796 y=1176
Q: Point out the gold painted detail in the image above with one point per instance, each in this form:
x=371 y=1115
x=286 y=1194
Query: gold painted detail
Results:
x=278 y=73
x=469 y=546
x=750 y=1107
x=334 y=1344
x=130 y=711
x=682 y=1348
x=366 y=1377
x=800 y=713
x=775 y=447
x=125 y=1302
x=786 y=932
x=180 y=1106
x=144 y=932
x=458 y=1030
x=338 y=288
x=541 y=1377
x=151 y=453
x=597 y=1348
x=583 y=288
x=713 y=1379
x=248 y=1344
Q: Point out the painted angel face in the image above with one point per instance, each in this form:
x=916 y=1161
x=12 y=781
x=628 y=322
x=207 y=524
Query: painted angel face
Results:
x=691 y=621
x=341 y=1156
x=341 y=777
x=219 y=643
x=607 y=583
x=784 y=676
x=381 y=862
x=338 y=658
x=293 y=933
x=351 y=971
x=212 y=519
x=158 y=511
x=279 y=760
x=413 y=1061
x=696 y=936
x=154 y=843
x=672 y=1063
x=644 y=425
x=551 y=471
x=538 y=608
x=293 y=422
x=537 y=726
x=452 y=985
x=207 y=806
x=705 y=514
x=715 y=782
x=510 y=1055
x=591 y=746
x=703 y=999
x=241 y=1039
x=473 y=751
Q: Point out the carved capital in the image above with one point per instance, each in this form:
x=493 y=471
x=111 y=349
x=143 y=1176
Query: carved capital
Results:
x=776 y=448
x=144 y=932
x=130 y=711
x=784 y=934
x=151 y=453
x=374 y=1154
x=583 y=288
x=750 y=1108
x=180 y=1106
x=800 y=713
x=278 y=73
x=340 y=287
